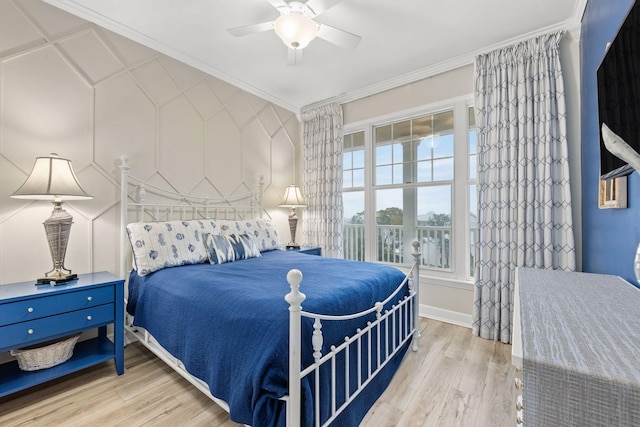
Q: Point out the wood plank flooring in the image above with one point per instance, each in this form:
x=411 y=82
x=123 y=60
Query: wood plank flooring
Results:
x=454 y=379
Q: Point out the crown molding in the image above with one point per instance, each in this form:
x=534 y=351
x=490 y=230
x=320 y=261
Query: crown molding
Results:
x=571 y=26
x=83 y=12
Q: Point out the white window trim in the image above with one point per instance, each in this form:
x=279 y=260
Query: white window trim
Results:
x=458 y=276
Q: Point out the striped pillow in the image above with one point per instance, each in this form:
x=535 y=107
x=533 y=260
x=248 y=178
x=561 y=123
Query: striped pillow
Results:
x=219 y=248
x=244 y=246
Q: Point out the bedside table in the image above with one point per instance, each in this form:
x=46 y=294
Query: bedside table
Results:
x=308 y=251
x=31 y=314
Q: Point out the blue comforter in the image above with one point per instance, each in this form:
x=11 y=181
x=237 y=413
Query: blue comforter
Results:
x=229 y=325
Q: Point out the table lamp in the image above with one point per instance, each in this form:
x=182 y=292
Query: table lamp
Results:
x=53 y=179
x=293 y=199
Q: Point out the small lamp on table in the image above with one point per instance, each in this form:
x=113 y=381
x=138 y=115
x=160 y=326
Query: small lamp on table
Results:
x=293 y=199
x=53 y=179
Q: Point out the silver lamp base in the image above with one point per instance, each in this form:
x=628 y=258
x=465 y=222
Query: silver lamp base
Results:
x=57 y=227
x=293 y=224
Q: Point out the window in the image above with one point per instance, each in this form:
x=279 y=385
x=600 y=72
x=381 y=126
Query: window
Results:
x=411 y=178
x=353 y=167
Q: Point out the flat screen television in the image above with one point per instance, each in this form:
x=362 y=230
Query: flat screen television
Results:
x=619 y=93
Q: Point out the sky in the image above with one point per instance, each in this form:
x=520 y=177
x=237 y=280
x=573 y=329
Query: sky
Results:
x=434 y=162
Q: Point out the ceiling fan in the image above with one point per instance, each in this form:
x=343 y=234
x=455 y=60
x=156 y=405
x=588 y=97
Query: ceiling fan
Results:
x=296 y=27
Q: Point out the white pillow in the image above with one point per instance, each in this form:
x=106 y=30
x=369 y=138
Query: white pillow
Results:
x=157 y=245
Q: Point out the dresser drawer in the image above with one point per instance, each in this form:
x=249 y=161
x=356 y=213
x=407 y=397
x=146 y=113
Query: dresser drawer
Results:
x=22 y=334
x=38 y=307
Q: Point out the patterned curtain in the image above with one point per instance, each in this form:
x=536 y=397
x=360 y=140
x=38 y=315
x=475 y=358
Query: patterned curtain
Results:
x=524 y=202
x=322 y=179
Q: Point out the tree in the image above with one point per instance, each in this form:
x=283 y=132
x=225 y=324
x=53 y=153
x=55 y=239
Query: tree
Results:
x=439 y=220
x=357 y=218
x=389 y=216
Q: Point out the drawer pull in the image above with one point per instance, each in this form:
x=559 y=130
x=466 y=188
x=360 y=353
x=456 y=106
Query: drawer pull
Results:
x=30 y=309
x=30 y=331
x=89 y=317
x=89 y=298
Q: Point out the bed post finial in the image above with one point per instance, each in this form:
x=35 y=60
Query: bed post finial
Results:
x=414 y=287
x=295 y=299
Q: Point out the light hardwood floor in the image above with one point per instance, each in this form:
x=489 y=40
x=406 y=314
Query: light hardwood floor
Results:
x=454 y=379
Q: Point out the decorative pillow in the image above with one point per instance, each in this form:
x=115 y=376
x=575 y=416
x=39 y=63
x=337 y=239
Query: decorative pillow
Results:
x=157 y=245
x=219 y=248
x=244 y=246
x=262 y=230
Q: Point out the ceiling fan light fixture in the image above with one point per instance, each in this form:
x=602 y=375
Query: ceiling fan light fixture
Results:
x=295 y=29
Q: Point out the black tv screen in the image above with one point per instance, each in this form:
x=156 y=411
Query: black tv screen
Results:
x=619 y=93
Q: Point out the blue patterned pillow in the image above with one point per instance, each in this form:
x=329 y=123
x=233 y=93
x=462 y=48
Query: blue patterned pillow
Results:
x=262 y=230
x=157 y=245
x=219 y=248
x=244 y=246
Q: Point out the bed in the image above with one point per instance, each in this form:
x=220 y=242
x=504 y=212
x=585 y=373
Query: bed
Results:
x=237 y=330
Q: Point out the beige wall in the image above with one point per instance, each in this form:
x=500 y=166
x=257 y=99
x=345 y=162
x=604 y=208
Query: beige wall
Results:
x=452 y=84
x=69 y=87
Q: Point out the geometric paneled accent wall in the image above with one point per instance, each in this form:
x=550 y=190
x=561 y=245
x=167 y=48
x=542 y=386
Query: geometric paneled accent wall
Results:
x=70 y=87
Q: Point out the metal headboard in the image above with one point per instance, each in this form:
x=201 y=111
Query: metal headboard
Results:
x=144 y=202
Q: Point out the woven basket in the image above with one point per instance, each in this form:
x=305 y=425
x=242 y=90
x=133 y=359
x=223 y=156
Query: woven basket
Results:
x=45 y=355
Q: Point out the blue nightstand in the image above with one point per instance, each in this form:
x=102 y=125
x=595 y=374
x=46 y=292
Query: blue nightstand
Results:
x=308 y=251
x=31 y=314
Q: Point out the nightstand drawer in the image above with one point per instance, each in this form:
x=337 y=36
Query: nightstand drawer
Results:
x=36 y=308
x=25 y=333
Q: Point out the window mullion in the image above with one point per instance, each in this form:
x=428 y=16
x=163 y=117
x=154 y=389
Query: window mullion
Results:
x=460 y=192
x=410 y=200
x=369 y=199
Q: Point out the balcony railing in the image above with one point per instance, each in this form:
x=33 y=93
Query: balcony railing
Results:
x=353 y=241
x=435 y=245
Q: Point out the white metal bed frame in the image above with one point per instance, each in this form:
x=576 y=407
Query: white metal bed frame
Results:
x=401 y=319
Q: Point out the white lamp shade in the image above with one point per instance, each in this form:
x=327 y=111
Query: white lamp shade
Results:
x=52 y=178
x=292 y=198
x=296 y=30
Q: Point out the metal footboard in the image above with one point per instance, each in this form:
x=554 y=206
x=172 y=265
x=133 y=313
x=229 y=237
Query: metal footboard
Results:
x=375 y=344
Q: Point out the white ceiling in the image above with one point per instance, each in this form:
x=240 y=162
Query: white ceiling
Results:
x=402 y=40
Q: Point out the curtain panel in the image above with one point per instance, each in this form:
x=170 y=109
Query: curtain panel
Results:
x=322 y=179
x=524 y=200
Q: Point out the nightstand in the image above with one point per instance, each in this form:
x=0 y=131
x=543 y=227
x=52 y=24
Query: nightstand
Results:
x=31 y=314
x=308 y=251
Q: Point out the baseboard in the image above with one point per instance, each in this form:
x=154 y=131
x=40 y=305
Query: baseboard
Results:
x=447 y=316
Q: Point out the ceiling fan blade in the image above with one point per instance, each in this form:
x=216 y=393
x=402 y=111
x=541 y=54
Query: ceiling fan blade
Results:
x=251 y=29
x=278 y=3
x=338 y=37
x=320 y=6
x=294 y=57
